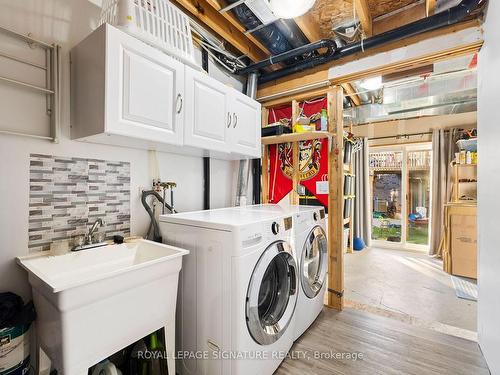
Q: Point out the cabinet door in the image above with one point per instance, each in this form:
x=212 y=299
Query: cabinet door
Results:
x=145 y=90
x=207 y=115
x=245 y=125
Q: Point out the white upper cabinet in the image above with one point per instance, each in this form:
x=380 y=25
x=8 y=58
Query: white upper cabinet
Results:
x=127 y=93
x=123 y=87
x=219 y=118
x=145 y=91
x=207 y=113
x=245 y=125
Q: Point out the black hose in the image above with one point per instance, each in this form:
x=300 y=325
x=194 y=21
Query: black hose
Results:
x=448 y=17
x=156 y=228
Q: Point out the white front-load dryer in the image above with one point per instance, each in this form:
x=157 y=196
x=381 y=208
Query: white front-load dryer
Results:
x=311 y=250
x=311 y=247
x=238 y=290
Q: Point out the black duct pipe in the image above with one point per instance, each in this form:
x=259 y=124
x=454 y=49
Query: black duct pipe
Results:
x=448 y=17
x=206 y=183
x=311 y=47
x=256 y=176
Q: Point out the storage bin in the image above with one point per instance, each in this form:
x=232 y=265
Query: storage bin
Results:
x=156 y=22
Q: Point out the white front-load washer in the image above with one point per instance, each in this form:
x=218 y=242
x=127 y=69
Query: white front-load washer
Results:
x=238 y=290
x=311 y=249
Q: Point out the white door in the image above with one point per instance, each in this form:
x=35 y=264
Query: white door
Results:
x=207 y=115
x=245 y=125
x=145 y=91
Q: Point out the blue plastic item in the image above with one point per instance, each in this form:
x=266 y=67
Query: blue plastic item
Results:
x=358 y=244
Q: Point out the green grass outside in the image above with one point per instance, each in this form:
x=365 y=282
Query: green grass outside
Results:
x=416 y=235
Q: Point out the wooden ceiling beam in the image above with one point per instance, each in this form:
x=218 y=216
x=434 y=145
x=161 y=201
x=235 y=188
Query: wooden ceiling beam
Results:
x=319 y=74
x=205 y=12
x=364 y=15
x=393 y=21
x=309 y=26
x=230 y=17
x=430 y=6
x=351 y=94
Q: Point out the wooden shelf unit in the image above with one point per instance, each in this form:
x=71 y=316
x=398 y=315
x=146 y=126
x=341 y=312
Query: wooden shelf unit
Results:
x=336 y=170
x=456 y=180
x=295 y=137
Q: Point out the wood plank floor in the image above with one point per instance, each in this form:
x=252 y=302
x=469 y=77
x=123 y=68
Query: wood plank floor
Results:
x=387 y=347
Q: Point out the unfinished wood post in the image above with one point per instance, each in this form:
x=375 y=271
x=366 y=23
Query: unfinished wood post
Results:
x=350 y=248
x=265 y=162
x=335 y=199
x=294 y=195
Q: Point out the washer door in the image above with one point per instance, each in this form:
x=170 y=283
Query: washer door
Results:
x=272 y=294
x=313 y=263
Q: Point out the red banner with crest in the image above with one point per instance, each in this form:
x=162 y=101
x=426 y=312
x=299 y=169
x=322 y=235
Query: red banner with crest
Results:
x=313 y=165
x=313 y=155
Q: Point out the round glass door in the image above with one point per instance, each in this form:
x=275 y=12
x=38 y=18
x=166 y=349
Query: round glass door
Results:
x=313 y=262
x=272 y=294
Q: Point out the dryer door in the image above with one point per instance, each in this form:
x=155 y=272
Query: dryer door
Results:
x=313 y=263
x=272 y=294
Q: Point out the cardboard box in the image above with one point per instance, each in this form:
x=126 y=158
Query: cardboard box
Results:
x=464 y=246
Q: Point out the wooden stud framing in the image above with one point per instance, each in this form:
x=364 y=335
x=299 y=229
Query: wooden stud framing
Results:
x=336 y=200
x=294 y=195
x=350 y=248
x=335 y=133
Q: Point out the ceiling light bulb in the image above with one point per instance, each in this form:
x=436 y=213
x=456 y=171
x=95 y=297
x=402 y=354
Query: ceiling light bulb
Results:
x=290 y=8
x=373 y=83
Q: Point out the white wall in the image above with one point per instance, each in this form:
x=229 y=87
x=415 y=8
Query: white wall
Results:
x=66 y=22
x=488 y=188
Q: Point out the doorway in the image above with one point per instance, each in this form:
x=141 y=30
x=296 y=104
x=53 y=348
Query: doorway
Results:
x=400 y=182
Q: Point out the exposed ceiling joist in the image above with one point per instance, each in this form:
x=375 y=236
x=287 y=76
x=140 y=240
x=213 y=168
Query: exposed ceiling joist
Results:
x=351 y=94
x=216 y=4
x=430 y=6
x=273 y=89
x=412 y=13
x=309 y=27
x=364 y=15
x=205 y=12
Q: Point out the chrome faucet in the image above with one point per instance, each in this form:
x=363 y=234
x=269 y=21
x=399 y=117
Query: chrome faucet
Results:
x=98 y=223
x=88 y=240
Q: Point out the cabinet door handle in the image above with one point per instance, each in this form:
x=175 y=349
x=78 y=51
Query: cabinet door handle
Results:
x=228 y=119
x=235 y=118
x=179 y=102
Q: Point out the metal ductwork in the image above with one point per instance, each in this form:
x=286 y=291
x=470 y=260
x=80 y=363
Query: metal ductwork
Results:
x=278 y=36
x=448 y=17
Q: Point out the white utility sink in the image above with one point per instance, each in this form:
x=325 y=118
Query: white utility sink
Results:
x=94 y=302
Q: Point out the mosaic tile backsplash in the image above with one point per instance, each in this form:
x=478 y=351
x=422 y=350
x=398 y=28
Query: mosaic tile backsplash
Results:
x=68 y=194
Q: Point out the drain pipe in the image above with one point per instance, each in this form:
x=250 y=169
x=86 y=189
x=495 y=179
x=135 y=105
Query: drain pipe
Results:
x=329 y=44
x=206 y=159
x=244 y=167
x=448 y=17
